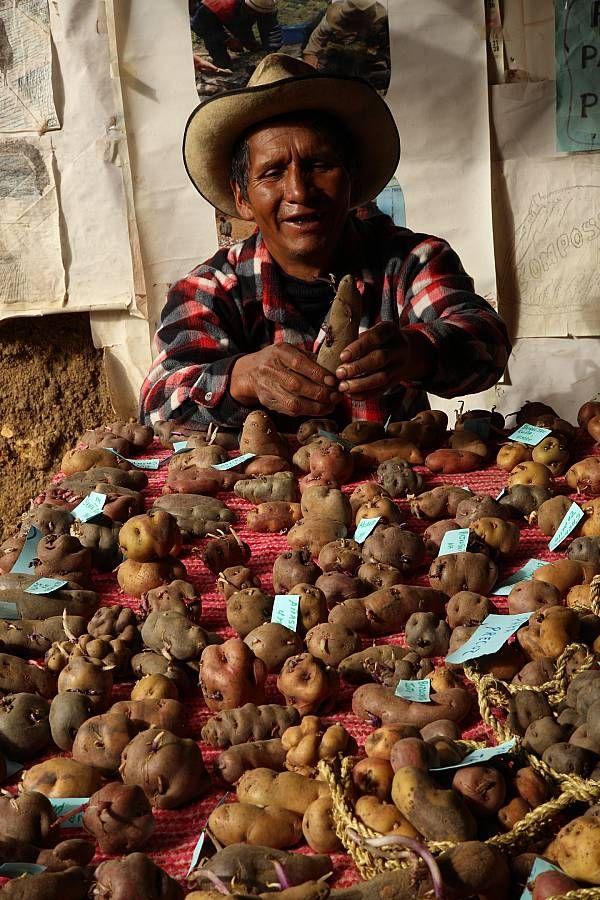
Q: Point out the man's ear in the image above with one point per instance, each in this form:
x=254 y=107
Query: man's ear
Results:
x=241 y=204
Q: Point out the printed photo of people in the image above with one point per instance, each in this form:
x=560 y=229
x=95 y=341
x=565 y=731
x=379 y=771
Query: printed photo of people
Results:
x=230 y=37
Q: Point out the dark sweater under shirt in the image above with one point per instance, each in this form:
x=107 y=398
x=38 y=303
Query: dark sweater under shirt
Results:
x=312 y=298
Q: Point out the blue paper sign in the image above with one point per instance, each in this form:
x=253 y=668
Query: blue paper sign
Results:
x=538 y=868
x=90 y=507
x=232 y=463
x=480 y=426
x=523 y=574
x=417 y=691
x=16 y=869
x=480 y=756
x=180 y=446
x=529 y=434
x=364 y=529
x=577 y=51
x=455 y=541
x=150 y=464
x=62 y=805
x=9 y=611
x=285 y=610
x=489 y=637
x=24 y=563
x=336 y=439
x=571 y=520
x=46 y=586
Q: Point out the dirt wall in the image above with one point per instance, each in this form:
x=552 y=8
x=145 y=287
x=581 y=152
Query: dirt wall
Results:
x=52 y=387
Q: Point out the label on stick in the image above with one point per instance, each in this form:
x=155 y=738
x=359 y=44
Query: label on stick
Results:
x=479 y=756
x=455 y=541
x=489 y=637
x=571 y=520
x=90 y=507
x=46 y=586
x=364 y=529
x=523 y=574
x=529 y=434
x=418 y=690
x=285 y=610
x=232 y=463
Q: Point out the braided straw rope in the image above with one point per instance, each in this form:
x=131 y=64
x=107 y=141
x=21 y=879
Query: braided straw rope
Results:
x=371 y=862
x=595 y=595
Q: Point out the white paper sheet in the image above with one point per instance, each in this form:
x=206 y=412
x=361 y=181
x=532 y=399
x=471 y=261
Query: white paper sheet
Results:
x=528 y=31
x=438 y=94
x=26 y=97
x=31 y=269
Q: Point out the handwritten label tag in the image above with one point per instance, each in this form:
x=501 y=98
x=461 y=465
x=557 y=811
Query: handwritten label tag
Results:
x=150 y=464
x=479 y=426
x=571 y=520
x=455 y=541
x=196 y=854
x=479 y=756
x=418 y=691
x=15 y=869
x=538 y=868
x=9 y=611
x=285 y=610
x=364 y=529
x=232 y=463
x=90 y=507
x=180 y=446
x=529 y=434
x=335 y=438
x=23 y=565
x=502 y=493
x=46 y=586
x=523 y=574
x=62 y=805
x=489 y=637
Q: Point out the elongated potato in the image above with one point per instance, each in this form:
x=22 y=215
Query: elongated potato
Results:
x=289 y=790
x=271 y=826
x=342 y=325
x=375 y=703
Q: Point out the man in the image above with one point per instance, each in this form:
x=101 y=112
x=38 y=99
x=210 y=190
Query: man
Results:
x=295 y=152
x=220 y=23
x=352 y=38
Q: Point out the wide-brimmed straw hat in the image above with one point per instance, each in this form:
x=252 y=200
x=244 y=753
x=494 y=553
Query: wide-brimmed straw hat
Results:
x=281 y=85
x=262 y=6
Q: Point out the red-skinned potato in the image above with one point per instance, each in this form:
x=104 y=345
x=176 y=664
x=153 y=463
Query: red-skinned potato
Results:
x=337 y=587
x=449 y=461
x=259 y=436
x=312 y=606
x=134 y=876
x=153 y=534
x=308 y=684
x=62 y=556
x=527 y=596
x=222 y=552
x=294 y=567
x=440 y=502
x=310 y=429
x=120 y=818
x=456 y=572
x=231 y=675
x=467 y=608
x=275 y=517
x=387 y=611
x=265 y=465
x=434 y=534
x=333 y=463
x=377 y=704
x=369 y=456
x=199 y=480
x=301 y=458
x=483 y=789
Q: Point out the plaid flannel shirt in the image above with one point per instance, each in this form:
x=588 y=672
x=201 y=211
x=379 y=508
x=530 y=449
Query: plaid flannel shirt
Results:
x=234 y=304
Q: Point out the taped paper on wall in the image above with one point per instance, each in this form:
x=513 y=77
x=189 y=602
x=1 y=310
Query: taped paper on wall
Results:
x=31 y=269
x=26 y=96
x=578 y=75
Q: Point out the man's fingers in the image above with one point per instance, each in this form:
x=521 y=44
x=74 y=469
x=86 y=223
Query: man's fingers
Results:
x=297 y=360
x=378 y=381
x=299 y=386
x=375 y=361
x=293 y=405
x=369 y=340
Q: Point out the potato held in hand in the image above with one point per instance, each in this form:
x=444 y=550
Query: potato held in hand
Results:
x=342 y=324
x=231 y=675
x=153 y=535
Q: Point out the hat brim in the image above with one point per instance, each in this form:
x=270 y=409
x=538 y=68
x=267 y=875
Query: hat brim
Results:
x=216 y=124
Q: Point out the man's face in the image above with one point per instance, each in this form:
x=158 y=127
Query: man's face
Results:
x=298 y=195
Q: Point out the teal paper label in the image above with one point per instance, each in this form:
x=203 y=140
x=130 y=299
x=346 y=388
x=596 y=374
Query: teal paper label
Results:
x=46 y=586
x=523 y=574
x=489 y=637
x=90 y=507
x=285 y=610
x=364 y=529
x=232 y=463
x=62 y=805
x=529 y=434
x=417 y=691
x=23 y=565
x=455 y=541
x=577 y=52
x=335 y=438
x=150 y=464
x=180 y=446
x=15 y=869
x=9 y=611
x=571 y=520
x=538 y=868
x=480 y=756
x=200 y=842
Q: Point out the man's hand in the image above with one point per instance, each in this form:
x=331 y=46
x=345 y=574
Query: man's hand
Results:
x=382 y=358
x=283 y=378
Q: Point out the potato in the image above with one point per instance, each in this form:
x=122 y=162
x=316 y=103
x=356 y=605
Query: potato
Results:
x=364 y=492
x=223 y=552
x=89 y=677
x=379 y=660
x=452 y=461
x=294 y=567
x=332 y=463
x=265 y=465
x=553 y=452
x=89 y=457
x=591 y=523
x=376 y=575
x=483 y=789
x=273 y=644
x=272 y=826
x=70 y=884
x=287 y=790
x=231 y=675
x=196 y=515
x=120 y=818
x=372 y=702
x=313 y=532
x=332 y=643
x=456 y=572
x=569 y=759
x=467 y=441
x=167 y=714
x=511 y=454
x=380 y=743
x=528 y=596
x=398 y=478
x=373 y=776
x=593 y=428
x=153 y=534
x=501 y=536
x=361 y=431
x=62 y=556
x=394 y=546
x=534 y=789
x=477 y=506
x=523 y=499
x=233 y=762
x=259 y=436
x=61 y=777
x=439 y=503
x=308 y=684
x=577 y=847
x=437 y=814
x=137 y=578
x=301 y=458
x=386 y=611
x=120 y=879
x=384 y=818
x=369 y=456
x=24 y=725
x=427 y=635
x=155 y=687
x=236 y=578
x=337 y=587
x=343 y=555
x=543 y=733
x=413 y=751
x=275 y=517
x=248 y=609
x=342 y=323
x=318 y=827
x=310 y=429
x=308 y=743
x=328 y=503
x=281 y=486
x=549 y=631
x=100 y=741
x=531 y=473
x=551 y=513
x=564 y=574
x=434 y=534
x=67 y=713
x=248 y=723
x=169 y=769
x=467 y=608
x=552 y=884
x=150 y=663
x=312 y=607
x=174 y=633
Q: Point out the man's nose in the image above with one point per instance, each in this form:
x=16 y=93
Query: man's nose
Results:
x=297 y=183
